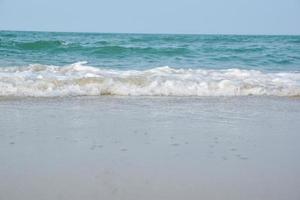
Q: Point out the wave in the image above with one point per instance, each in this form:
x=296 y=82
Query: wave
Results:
x=79 y=79
x=95 y=48
x=41 y=44
x=117 y=50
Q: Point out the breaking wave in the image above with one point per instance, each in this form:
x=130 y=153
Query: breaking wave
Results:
x=79 y=79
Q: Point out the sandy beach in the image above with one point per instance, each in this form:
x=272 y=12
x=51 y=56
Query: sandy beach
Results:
x=150 y=148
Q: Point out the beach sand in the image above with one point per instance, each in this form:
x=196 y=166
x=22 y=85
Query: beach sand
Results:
x=145 y=148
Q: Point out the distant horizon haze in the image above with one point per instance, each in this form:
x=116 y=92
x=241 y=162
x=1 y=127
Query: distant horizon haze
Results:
x=145 y=33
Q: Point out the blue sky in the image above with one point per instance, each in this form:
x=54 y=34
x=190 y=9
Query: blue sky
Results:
x=153 y=16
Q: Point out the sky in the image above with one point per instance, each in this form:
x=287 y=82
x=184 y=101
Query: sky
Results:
x=153 y=16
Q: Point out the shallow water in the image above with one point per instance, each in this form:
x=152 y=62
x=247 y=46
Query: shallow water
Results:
x=149 y=148
x=78 y=79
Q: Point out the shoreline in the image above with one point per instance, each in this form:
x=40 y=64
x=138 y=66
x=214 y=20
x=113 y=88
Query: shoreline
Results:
x=149 y=148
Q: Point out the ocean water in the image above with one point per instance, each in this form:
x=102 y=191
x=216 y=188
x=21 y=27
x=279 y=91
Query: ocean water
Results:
x=46 y=64
x=149 y=116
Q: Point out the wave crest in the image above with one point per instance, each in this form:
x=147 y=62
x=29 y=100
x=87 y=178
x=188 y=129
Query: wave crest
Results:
x=79 y=79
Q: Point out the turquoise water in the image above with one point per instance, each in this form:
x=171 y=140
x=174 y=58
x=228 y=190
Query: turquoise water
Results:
x=146 y=64
x=141 y=51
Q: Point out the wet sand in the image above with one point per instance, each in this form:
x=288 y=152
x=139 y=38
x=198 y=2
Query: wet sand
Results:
x=150 y=148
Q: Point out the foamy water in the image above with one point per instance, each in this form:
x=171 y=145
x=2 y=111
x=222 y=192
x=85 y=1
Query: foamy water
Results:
x=80 y=79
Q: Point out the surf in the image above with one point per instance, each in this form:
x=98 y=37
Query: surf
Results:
x=80 y=79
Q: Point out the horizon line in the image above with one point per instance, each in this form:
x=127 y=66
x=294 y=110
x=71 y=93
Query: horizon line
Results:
x=146 y=33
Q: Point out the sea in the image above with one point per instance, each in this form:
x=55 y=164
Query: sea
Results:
x=149 y=116
x=50 y=64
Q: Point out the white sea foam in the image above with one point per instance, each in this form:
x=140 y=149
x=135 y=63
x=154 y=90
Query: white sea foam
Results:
x=79 y=79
